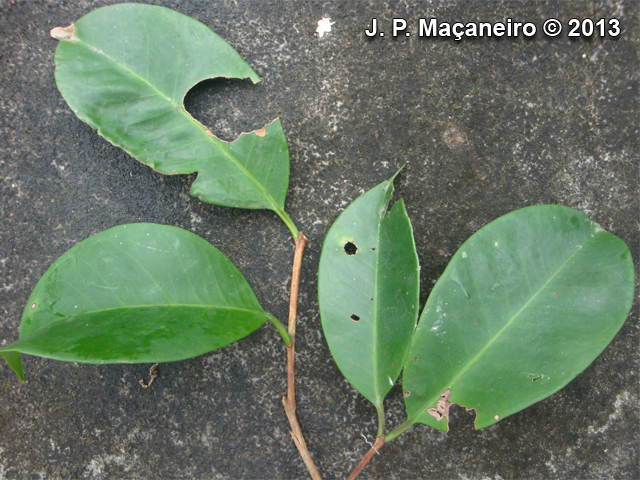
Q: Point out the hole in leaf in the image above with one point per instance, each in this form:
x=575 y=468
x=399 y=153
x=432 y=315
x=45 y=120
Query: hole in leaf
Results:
x=373 y=248
x=406 y=393
x=350 y=248
x=228 y=107
x=354 y=317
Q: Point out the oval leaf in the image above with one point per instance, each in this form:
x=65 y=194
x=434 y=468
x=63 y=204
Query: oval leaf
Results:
x=525 y=305
x=125 y=70
x=368 y=286
x=136 y=294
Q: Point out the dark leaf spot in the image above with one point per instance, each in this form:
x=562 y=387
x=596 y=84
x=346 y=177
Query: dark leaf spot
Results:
x=354 y=317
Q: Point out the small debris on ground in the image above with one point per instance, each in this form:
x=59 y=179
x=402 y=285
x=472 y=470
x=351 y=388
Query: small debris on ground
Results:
x=153 y=373
x=324 y=26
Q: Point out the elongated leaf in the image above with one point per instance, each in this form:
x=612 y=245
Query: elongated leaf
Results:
x=125 y=69
x=136 y=293
x=368 y=285
x=525 y=305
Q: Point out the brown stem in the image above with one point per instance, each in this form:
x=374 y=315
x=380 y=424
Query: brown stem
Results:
x=289 y=401
x=377 y=445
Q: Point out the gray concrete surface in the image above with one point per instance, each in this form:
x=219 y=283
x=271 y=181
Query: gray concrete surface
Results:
x=484 y=126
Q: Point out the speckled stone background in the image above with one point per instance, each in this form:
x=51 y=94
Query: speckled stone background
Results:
x=483 y=126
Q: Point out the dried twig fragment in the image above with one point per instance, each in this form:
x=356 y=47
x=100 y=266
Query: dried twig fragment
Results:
x=153 y=373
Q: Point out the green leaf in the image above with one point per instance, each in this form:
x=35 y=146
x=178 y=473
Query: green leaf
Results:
x=135 y=294
x=125 y=70
x=368 y=286
x=525 y=305
x=13 y=360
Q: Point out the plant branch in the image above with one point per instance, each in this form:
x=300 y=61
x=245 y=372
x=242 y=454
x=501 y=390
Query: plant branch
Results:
x=289 y=401
x=381 y=440
x=378 y=444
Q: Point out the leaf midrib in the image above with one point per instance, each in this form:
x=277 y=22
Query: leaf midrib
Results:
x=223 y=146
x=495 y=337
x=105 y=310
x=376 y=383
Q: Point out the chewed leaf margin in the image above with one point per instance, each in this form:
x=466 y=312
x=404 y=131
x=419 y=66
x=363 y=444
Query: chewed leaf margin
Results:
x=476 y=346
x=368 y=286
x=134 y=96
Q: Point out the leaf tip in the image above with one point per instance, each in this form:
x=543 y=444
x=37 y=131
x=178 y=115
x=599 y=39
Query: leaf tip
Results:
x=397 y=173
x=64 y=33
x=13 y=360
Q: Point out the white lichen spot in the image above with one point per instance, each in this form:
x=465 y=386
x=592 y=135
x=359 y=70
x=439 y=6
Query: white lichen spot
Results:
x=59 y=167
x=33 y=306
x=622 y=400
x=550 y=465
x=495 y=244
x=464 y=254
x=324 y=26
x=496 y=417
x=99 y=464
x=597 y=228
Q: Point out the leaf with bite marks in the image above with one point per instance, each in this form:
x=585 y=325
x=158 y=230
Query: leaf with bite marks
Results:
x=524 y=306
x=368 y=285
x=125 y=70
